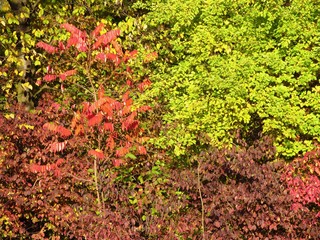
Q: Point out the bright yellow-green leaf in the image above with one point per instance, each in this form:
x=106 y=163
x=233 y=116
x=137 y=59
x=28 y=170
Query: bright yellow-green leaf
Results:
x=9 y=115
x=27 y=126
x=26 y=86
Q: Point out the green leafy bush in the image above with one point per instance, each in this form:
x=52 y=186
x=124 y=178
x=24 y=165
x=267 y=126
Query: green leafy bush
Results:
x=229 y=65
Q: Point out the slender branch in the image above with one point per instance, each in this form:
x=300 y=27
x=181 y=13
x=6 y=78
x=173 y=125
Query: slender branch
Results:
x=78 y=178
x=201 y=199
x=84 y=88
x=96 y=182
x=88 y=69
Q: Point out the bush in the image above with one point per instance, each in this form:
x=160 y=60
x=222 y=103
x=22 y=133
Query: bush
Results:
x=243 y=196
x=229 y=65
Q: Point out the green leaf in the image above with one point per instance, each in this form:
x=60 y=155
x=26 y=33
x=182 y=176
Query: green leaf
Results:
x=131 y=156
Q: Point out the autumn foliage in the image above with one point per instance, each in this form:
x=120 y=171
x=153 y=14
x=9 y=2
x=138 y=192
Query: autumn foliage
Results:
x=85 y=169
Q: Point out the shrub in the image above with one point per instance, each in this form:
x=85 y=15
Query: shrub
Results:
x=243 y=196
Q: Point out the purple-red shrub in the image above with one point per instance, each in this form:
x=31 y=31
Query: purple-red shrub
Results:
x=244 y=197
x=302 y=176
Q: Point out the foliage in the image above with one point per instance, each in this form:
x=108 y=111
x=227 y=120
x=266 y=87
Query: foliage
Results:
x=302 y=176
x=84 y=147
x=24 y=23
x=79 y=164
x=238 y=193
x=99 y=60
x=48 y=190
x=242 y=196
x=229 y=65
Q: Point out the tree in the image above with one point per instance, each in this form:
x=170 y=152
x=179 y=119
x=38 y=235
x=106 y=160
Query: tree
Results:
x=236 y=65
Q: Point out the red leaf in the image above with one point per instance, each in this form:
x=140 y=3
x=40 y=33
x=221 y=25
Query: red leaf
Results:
x=126 y=96
x=144 y=108
x=64 y=132
x=217 y=224
x=50 y=77
x=110 y=143
x=97 y=119
x=116 y=105
x=97 y=30
x=96 y=153
x=70 y=28
x=58 y=129
x=129 y=83
x=142 y=86
x=107 y=109
x=102 y=57
x=106 y=38
x=108 y=127
x=57 y=146
x=117 y=47
x=101 y=92
x=122 y=151
x=113 y=57
x=142 y=150
x=56 y=106
x=47 y=47
x=61 y=46
x=117 y=162
x=66 y=74
x=77 y=38
x=59 y=161
x=130 y=123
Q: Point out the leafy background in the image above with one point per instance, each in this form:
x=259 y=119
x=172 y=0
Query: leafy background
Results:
x=219 y=138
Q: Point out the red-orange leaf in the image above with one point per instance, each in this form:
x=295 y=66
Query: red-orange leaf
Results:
x=95 y=120
x=125 y=110
x=79 y=130
x=57 y=128
x=97 y=30
x=126 y=96
x=50 y=126
x=101 y=92
x=144 y=108
x=108 y=126
x=117 y=47
x=107 y=109
x=117 y=162
x=97 y=104
x=142 y=150
x=96 y=153
x=122 y=151
x=76 y=118
x=110 y=143
x=106 y=38
x=64 y=132
x=142 y=86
